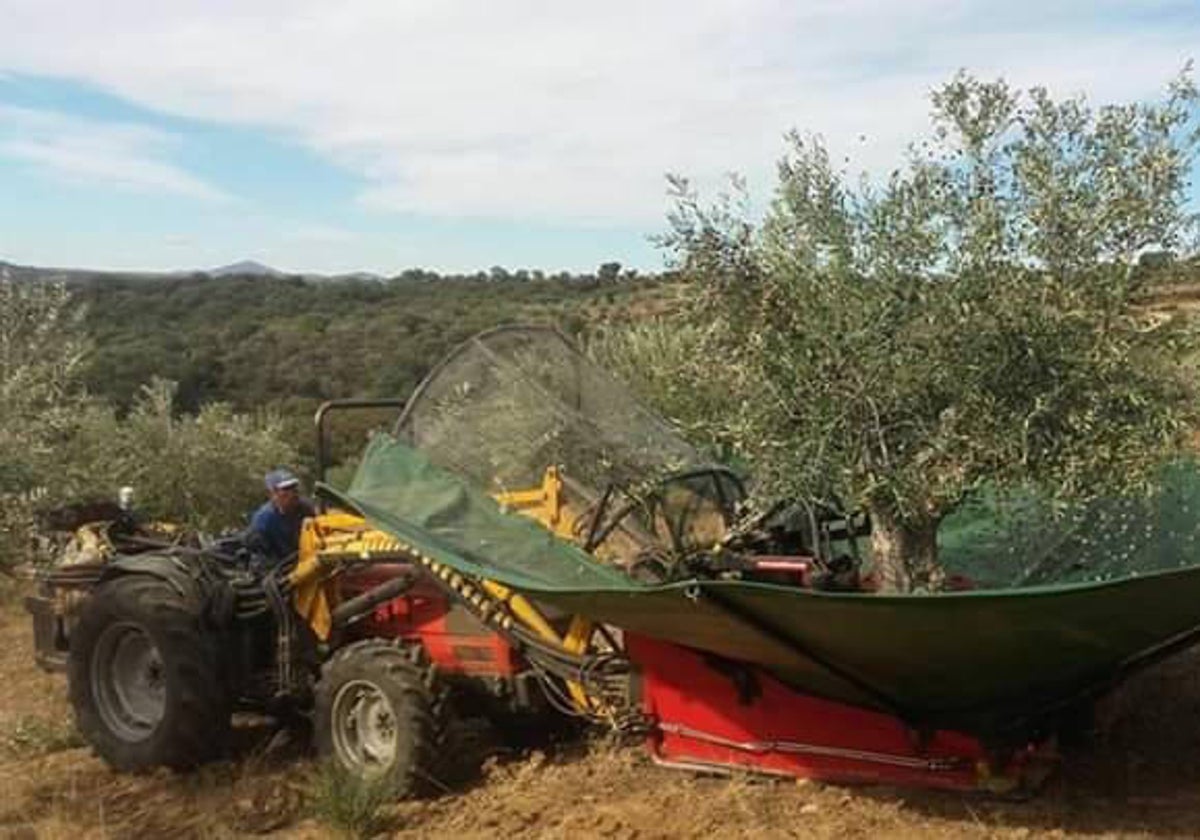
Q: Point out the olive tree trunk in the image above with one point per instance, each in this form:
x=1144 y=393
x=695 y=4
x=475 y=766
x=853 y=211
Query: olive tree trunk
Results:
x=904 y=553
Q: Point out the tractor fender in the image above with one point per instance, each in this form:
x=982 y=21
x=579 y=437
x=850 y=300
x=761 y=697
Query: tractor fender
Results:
x=190 y=579
x=166 y=568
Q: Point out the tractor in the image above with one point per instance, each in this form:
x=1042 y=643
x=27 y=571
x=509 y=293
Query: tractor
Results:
x=164 y=636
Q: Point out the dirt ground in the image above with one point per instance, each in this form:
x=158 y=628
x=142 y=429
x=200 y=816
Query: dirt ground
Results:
x=1144 y=781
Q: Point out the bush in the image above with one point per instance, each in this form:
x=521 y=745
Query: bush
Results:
x=59 y=445
x=41 y=351
x=31 y=736
x=204 y=469
x=348 y=805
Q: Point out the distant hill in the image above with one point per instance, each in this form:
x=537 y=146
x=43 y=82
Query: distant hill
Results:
x=33 y=272
x=246 y=268
x=356 y=275
x=243 y=268
x=253 y=268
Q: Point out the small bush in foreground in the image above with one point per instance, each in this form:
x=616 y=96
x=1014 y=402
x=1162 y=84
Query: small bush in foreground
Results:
x=347 y=804
x=30 y=736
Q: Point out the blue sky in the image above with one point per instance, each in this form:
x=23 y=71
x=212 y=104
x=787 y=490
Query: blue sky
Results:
x=385 y=134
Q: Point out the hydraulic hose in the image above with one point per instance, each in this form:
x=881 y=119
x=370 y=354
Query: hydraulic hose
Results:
x=358 y=606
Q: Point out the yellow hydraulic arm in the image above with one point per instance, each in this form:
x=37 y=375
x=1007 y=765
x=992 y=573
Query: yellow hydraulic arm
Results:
x=331 y=540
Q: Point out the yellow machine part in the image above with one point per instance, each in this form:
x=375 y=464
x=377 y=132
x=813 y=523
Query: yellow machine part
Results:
x=543 y=504
x=327 y=542
x=330 y=540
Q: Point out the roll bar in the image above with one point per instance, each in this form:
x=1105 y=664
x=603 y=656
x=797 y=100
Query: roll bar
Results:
x=329 y=407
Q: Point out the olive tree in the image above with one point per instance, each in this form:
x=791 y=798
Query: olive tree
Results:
x=41 y=350
x=971 y=319
x=59 y=445
x=203 y=469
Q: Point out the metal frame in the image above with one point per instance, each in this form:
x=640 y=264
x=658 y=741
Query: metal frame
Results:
x=328 y=407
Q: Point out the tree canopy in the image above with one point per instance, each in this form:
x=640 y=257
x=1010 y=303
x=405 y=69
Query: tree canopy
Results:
x=972 y=319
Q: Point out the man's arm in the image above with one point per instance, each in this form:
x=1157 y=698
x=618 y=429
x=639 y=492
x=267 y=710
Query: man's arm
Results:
x=258 y=521
x=259 y=535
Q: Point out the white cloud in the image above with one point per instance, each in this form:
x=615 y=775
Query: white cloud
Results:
x=121 y=155
x=532 y=109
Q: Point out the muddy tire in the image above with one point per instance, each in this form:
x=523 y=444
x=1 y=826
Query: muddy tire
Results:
x=380 y=716
x=144 y=677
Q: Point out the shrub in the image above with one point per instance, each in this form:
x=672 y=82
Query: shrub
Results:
x=204 y=469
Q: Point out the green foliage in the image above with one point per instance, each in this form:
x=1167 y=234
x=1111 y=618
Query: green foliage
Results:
x=288 y=343
x=41 y=351
x=30 y=736
x=250 y=358
x=683 y=383
x=256 y=341
x=970 y=321
x=58 y=444
x=347 y=804
x=204 y=469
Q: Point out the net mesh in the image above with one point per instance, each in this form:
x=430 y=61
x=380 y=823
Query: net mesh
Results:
x=1022 y=540
x=511 y=402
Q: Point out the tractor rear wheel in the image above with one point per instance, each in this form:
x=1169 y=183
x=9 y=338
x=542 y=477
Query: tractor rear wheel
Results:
x=380 y=717
x=144 y=677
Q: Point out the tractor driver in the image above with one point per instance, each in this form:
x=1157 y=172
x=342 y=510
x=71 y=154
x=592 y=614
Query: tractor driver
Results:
x=275 y=527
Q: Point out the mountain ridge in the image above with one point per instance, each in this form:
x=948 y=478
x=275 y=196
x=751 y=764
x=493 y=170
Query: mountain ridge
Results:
x=241 y=268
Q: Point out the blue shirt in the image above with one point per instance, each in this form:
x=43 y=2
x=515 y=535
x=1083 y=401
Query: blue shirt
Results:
x=279 y=532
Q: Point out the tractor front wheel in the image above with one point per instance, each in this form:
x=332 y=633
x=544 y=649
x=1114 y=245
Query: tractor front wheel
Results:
x=379 y=717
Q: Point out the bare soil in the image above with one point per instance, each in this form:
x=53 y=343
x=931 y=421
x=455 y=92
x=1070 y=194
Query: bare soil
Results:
x=1143 y=780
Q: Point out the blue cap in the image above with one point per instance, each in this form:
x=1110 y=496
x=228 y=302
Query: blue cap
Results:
x=281 y=479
